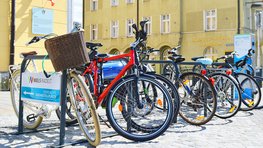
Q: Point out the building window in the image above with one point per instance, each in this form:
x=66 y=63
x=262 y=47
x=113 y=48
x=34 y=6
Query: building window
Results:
x=210 y=20
x=148 y=25
x=114 y=29
x=165 y=23
x=129 y=1
x=93 y=32
x=114 y=2
x=129 y=31
x=93 y=5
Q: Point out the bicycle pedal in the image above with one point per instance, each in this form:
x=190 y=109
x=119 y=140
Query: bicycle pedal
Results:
x=31 y=118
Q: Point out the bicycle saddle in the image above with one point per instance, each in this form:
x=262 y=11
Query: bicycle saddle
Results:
x=24 y=54
x=93 y=45
x=176 y=59
x=195 y=58
x=103 y=55
x=205 y=61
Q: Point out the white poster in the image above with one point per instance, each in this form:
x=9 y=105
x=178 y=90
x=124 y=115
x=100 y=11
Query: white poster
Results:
x=36 y=87
x=242 y=44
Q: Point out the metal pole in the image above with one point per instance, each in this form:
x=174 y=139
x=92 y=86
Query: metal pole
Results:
x=12 y=32
x=63 y=95
x=238 y=16
x=21 y=105
x=138 y=12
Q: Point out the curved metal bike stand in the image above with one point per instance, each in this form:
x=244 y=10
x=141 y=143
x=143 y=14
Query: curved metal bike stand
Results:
x=62 y=101
x=173 y=63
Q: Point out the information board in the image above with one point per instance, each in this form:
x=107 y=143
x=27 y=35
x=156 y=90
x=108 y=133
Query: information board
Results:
x=42 y=21
x=242 y=43
x=36 y=87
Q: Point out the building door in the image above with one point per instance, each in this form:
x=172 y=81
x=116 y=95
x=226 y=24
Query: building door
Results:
x=75 y=13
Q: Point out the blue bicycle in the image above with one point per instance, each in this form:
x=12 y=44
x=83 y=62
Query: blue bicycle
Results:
x=242 y=72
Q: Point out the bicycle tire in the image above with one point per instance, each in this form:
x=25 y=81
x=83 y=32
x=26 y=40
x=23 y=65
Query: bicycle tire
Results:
x=15 y=76
x=173 y=93
x=72 y=119
x=228 y=95
x=144 y=133
x=169 y=72
x=83 y=103
x=260 y=83
x=247 y=104
x=197 y=68
x=189 y=107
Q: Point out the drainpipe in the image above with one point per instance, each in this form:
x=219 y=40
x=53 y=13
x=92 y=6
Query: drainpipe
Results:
x=12 y=33
x=238 y=16
x=138 y=11
x=83 y=14
x=181 y=23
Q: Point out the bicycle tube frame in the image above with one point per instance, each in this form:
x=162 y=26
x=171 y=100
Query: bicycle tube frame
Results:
x=93 y=67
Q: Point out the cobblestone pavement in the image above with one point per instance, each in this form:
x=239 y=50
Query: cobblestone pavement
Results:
x=245 y=130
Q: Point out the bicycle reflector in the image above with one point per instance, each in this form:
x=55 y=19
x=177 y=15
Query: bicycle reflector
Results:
x=203 y=72
x=212 y=81
x=229 y=72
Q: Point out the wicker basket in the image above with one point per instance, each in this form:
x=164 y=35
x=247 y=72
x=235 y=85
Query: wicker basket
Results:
x=67 y=51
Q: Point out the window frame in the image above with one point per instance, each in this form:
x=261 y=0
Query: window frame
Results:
x=129 y=1
x=96 y=32
x=149 y=23
x=206 y=17
x=96 y=6
x=114 y=3
x=129 y=27
x=163 y=21
x=116 y=27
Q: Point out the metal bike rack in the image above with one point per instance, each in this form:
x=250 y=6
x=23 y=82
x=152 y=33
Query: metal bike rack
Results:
x=173 y=63
x=62 y=101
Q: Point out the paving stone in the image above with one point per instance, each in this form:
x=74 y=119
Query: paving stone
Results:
x=245 y=130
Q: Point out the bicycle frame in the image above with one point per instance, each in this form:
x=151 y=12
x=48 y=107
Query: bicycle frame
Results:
x=93 y=68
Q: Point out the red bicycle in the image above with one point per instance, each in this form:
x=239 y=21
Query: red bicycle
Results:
x=137 y=106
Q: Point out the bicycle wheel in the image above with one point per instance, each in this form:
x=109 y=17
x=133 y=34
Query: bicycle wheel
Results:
x=173 y=93
x=70 y=117
x=31 y=119
x=135 y=115
x=228 y=95
x=260 y=84
x=250 y=91
x=197 y=68
x=198 y=98
x=169 y=72
x=84 y=107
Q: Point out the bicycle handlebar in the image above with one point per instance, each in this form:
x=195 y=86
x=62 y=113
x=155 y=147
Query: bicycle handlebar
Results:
x=140 y=34
x=231 y=55
x=36 y=39
x=250 y=52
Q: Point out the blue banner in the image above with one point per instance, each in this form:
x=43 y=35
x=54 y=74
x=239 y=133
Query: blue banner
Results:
x=40 y=94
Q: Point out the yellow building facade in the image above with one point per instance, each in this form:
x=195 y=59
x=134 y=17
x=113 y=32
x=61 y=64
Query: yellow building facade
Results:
x=23 y=27
x=4 y=34
x=201 y=27
x=196 y=37
x=105 y=13
x=23 y=31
